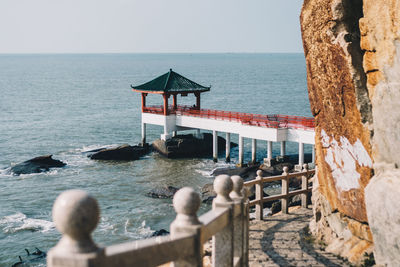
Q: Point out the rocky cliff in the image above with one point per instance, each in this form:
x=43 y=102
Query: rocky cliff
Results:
x=380 y=39
x=351 y=100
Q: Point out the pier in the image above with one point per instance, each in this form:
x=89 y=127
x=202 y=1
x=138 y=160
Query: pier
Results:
x=174 y=118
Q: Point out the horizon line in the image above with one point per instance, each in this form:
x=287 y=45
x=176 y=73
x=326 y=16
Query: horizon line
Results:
x=139 y=53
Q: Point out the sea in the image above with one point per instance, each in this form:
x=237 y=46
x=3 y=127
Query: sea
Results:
x=68 y=104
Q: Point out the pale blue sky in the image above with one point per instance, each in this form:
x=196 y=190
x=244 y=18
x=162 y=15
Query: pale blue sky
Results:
x=133 y=26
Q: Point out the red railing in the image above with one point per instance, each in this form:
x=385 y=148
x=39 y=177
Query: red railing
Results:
x=269 y=121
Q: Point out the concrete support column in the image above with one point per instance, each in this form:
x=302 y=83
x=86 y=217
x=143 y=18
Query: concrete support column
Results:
x=313 y=154
x=215 y=146
x=241 y=154
x=228 y=147
x=174 y=133
x=269 y=149
x=301 y=154
x=253 y=150
x=283 y=148
x=166 y=135
x=198 y=134
x=143 y=133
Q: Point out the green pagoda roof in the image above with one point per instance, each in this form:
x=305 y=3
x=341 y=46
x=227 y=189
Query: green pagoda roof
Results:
x=170 y=82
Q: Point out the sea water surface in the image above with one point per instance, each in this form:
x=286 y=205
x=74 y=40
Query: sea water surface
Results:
x=68 y=104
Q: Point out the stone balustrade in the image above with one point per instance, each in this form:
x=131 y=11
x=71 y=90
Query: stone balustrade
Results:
x=76 y=215
x=259 y=200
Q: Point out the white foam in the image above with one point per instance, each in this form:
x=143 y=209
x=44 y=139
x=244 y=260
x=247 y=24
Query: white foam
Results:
x=142 y=231
x=88 y=148
x=20 y=222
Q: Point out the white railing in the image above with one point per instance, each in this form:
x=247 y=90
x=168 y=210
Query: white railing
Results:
x=76 y=214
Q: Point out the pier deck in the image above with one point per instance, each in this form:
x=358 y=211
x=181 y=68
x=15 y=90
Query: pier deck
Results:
x=270 y=128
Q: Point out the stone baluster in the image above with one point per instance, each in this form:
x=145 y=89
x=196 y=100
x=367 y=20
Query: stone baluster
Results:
x=222 y=250
x=304 y=186
x=239 y=222
x=259 y=196
x=246 y=209
x=76 y=215
x=186 y=204
x=285 y=190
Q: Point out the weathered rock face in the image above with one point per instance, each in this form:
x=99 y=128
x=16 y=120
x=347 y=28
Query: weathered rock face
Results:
x=352 y=52
x=380 y=38
x=340 y=103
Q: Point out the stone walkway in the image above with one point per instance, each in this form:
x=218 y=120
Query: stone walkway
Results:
x=282 y=240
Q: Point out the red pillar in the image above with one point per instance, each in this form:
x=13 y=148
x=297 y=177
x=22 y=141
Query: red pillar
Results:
x=197 y=100
x=165 y=104
x=143 y=101
x=174 y=103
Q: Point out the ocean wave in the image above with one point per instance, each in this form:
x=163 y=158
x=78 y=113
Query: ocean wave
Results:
x=86 y=149
x=20 y=222
x=6 y=172
x=140 y=232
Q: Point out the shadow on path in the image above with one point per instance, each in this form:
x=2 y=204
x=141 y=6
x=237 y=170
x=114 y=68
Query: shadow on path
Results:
x=282 y=240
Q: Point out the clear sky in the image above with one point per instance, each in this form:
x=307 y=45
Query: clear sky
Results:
x=137 y=26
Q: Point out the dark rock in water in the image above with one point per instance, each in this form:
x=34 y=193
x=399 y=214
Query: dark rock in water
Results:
x=182 y=146
x=208 y=193
x=160 y=232
x=37 y=165
x=30 y=257
x=163 y=192
x=124 y=152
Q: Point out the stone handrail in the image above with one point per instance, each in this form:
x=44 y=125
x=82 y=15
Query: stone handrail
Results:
x=305 y=175
x=76 y=214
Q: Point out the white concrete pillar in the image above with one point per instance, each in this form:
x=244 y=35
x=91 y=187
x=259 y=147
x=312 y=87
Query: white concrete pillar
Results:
x=228 y=147
x=143 y=133
x=269 y=149
x=283 y=148
x=253 y=150
x=313 y=154
x=301 y=154
x=174 y=133
x=215 y=146
x=198 y=134
x=241 y=154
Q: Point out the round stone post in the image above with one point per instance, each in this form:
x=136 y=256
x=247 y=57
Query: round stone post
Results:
x=76 y=215
x=304 y=186
x=222 y=250
x=186 y=204
x=285 y=190
x=259 y=196
x=240 y=220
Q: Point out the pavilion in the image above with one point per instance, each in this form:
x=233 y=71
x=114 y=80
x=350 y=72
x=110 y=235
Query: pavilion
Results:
x=170 y=83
